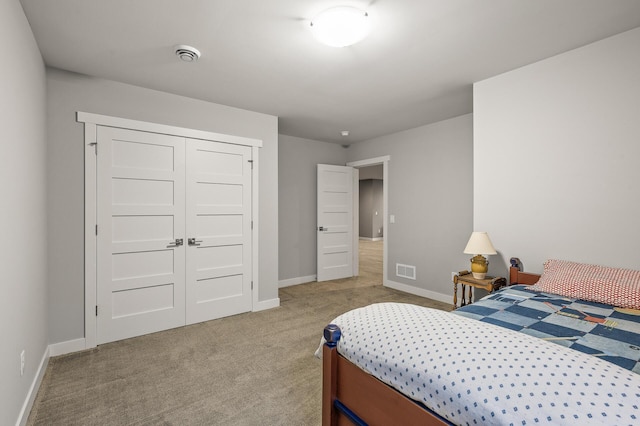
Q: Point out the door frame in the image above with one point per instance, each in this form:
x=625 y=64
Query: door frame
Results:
x=384 y=160
x=91 y=122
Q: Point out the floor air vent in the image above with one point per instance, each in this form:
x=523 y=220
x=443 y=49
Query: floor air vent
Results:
x=406 y=271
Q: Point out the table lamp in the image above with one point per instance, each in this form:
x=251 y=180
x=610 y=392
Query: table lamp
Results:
x=479 y=244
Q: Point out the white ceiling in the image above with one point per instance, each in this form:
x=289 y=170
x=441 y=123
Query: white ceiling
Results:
x=416 y=67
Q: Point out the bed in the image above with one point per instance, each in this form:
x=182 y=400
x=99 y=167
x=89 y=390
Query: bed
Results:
x=522 y=355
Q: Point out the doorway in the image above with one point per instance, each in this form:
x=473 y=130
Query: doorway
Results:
x=373 y=250
x=371 y=223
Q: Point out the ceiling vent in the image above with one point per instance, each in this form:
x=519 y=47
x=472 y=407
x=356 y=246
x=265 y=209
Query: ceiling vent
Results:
x=187 y=53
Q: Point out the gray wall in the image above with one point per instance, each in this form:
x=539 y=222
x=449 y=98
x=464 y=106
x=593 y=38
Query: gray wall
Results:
x=430 y=193
x=297 y=202
x=377 y=221
x=371 y=172
x=23 y=304
x=371 y=208
x=68 y=93
x=557 y=145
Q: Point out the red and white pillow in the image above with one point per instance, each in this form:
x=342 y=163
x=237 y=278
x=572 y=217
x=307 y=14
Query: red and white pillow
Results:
x=603 y=284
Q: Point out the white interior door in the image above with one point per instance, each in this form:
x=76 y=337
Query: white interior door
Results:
x=335 y=222
x=218 y=230
x=140 y=215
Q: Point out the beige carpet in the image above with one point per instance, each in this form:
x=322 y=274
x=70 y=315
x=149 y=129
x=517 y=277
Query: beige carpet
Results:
x=250 y=369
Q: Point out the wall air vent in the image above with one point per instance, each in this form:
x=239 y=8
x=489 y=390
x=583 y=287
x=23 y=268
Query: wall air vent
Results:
x=406 y=271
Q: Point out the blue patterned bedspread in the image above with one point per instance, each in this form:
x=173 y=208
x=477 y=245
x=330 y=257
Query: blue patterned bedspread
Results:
x=612 y=334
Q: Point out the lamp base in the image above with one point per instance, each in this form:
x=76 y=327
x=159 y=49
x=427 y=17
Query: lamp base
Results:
x=479 y=267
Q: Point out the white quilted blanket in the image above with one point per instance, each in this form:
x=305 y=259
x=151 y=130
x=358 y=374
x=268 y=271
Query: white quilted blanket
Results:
x=471 y=372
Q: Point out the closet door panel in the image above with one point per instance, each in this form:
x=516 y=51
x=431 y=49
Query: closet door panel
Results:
x=140 y=214
x=154 y=190
x=219 y=226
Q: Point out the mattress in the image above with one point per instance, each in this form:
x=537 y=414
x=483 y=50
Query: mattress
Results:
x=471 y=371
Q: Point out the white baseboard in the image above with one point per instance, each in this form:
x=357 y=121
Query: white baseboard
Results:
x=372 y=239
x=67 y=347
x=55 y=349
x=296 y=281
x=33 y=390
x=266 y=304
x=446 y=298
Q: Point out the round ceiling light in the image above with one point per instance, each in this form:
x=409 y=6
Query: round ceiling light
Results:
x=187 y=53
x=340 y=26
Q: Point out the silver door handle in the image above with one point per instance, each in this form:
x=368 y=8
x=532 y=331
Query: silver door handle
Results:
x=194 y=242
x=177 y=243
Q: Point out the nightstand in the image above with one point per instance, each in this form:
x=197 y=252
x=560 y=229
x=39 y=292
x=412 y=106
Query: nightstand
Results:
x=465 y=278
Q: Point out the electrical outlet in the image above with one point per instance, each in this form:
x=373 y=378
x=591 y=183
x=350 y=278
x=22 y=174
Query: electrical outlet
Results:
x=22 y=362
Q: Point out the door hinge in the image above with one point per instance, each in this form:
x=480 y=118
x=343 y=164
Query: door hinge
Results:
x=251 y=224
x=251 y=161
x=96 y=229
x=96 y=310
x=251 y=285
x=95 y=145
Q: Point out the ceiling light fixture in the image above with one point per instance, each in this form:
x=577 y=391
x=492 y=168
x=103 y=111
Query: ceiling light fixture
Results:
x=187 y=53
x=341 y=26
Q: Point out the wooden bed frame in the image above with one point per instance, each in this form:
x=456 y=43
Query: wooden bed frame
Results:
x=351 y=396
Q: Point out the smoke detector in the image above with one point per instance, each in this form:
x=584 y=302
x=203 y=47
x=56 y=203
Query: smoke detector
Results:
x=187 y=53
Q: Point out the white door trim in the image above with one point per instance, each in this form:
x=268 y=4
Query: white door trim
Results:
x=355 y=262
x=91 y=121
x=144 y=126
x=384 y=160
x=255 y=228
x=90 y=237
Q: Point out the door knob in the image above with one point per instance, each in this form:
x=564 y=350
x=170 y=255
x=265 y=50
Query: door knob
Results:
x=177 y=243
x=194 y=242
x=322 y=228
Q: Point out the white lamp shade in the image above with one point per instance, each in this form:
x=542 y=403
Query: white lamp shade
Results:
x=479 y=243
x=340 y=26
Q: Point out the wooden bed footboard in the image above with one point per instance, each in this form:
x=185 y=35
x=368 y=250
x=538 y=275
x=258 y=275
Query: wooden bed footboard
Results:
x=352 y=396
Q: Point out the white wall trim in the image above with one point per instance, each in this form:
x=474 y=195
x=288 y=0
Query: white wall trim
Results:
x=355 y=223
x=90 y=240
x=371 y=239
x=33 y=390
x=255 y=229
x=67 y=347
x=369 y=161
x=446 y=298
x=295 y=281
x=263 y=305
x=125 y=123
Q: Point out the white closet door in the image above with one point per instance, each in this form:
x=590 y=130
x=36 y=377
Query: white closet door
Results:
x=140 y=214
x=219 y=229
